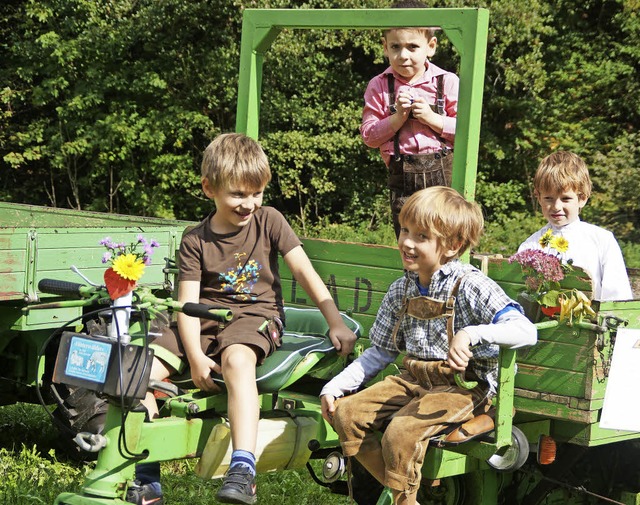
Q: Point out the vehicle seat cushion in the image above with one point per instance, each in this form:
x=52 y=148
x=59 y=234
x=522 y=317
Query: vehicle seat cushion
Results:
x=306 y=332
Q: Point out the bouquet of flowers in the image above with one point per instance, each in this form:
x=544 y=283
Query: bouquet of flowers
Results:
x=127 y=262
x=543 y=270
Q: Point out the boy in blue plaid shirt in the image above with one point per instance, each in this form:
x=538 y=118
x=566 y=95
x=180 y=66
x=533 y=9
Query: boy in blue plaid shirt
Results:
x=417 y=317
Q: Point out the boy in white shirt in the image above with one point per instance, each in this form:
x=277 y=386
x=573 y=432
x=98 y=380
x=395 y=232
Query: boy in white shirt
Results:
x=562 y=187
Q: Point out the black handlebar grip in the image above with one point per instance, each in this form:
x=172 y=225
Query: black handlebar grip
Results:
x=207 y=312
x=56 y=287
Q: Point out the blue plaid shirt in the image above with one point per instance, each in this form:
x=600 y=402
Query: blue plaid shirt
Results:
x=479 y=300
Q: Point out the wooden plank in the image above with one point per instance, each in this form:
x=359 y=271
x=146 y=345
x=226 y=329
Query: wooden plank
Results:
x=559 y=356
x=357 y=276
x=13 y=260
x=17 y=215
x=554 y=410
x=356 y=254
x=540 y=378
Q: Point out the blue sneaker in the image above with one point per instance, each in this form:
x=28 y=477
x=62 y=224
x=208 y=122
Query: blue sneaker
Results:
x=145 y=494
x=238 y=486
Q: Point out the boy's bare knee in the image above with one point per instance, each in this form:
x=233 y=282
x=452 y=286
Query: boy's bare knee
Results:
x=238 y=357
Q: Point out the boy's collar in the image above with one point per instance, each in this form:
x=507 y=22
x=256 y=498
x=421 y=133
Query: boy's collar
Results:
x=445 y=270
x=569 y=226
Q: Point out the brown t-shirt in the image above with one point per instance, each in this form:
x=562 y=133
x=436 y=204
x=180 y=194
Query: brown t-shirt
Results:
x=239 y=270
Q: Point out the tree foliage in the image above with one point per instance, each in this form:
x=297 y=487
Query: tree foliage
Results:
x=108 y=105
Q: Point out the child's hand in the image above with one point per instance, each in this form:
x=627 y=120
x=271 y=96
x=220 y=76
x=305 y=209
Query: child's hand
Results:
x=328 y=407
x=342 y=338
x=404 y=103
x=201 y=368
x=459 y=352
x=423 y=112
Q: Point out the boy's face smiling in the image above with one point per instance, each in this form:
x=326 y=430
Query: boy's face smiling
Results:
x=235 y=206
x=407 y=51
x=422 y=253
x=560 y=208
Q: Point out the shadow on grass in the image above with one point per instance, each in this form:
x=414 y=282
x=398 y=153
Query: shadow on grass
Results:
x=33 y=471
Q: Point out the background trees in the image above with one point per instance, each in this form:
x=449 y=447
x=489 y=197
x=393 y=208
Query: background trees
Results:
x=107 y=106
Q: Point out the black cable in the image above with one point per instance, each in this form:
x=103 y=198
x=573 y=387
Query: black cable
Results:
x=123 y=449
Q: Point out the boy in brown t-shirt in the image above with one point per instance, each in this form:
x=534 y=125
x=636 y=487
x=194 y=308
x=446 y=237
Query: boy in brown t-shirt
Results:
x=231 y=259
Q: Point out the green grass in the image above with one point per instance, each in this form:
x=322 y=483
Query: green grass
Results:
x=33 y=472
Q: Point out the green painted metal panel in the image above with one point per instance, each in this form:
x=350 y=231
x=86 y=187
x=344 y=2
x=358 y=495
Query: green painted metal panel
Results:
x=441 y=463
x=466 y=28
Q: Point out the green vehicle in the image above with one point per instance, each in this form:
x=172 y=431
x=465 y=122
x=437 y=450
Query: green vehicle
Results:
x=554 y=450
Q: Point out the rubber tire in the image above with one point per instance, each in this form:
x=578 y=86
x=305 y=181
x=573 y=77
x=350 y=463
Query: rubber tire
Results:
x=81 y=411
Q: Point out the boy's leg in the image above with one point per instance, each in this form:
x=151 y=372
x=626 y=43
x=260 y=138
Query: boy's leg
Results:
x=239 y=372
x=406 y=438
x=358 y=417
x=159 y=372
x=403 y=498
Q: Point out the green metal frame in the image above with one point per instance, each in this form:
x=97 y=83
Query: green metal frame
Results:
x=466 y=28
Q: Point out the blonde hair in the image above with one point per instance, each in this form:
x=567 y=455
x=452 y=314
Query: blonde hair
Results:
x=562 y=171
x=446 y=215
x=234 y=159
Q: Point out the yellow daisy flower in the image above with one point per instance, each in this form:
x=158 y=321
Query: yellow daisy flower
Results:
x=546 y=238
x=128 y=266
x=559 y=243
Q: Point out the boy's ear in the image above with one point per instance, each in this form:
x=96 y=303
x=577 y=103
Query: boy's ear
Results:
x=450 y=251
x=431 y=47
x=384 y=47
x=207 y=189
x=582 y=201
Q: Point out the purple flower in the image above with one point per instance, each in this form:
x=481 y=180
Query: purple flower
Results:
x=540 y=269
x=115 y=249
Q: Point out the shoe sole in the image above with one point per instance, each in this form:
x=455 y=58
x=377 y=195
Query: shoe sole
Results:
x=238 y=498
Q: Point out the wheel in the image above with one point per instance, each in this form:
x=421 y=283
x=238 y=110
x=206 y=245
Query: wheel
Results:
x=78 y=410
x=449 y=491
x=514 y=456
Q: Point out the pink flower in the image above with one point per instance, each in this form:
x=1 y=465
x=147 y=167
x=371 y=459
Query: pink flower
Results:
x=542 y=271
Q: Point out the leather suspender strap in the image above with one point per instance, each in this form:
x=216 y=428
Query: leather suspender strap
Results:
x=391 y=82
x=450 y=307
x=440 y=95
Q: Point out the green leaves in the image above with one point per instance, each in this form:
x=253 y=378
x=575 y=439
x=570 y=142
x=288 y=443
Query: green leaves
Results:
x=109 y=105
